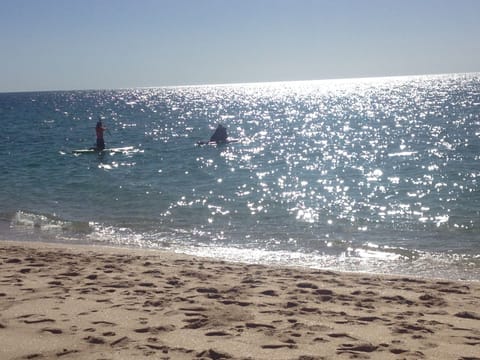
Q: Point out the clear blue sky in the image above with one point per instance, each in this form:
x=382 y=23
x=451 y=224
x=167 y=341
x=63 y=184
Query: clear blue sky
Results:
x=90 y=44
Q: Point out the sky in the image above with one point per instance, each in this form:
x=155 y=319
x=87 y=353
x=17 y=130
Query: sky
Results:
x=105 y=44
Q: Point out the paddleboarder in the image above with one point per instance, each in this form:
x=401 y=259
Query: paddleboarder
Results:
x=99 y=129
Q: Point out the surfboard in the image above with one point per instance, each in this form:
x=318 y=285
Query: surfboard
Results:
x=229 y=141
x=109 y=150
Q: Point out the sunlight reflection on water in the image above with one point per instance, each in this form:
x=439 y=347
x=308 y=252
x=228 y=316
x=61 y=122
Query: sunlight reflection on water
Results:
x=327 y=169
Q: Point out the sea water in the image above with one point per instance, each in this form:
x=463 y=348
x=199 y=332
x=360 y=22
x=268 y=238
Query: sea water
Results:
x=377 y=175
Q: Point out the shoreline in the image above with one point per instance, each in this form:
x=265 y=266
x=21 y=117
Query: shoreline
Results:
x=412 y=266
x=85 y=302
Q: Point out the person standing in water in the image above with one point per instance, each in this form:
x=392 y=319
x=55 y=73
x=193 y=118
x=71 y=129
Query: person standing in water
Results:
x=99 y=129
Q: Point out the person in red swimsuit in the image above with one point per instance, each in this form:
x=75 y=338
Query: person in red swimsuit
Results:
x=99 y=129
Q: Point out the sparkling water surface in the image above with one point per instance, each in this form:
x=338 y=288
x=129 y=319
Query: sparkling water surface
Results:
x=377 y=175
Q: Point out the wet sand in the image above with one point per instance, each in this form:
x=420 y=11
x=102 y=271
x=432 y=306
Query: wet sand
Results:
x=79 y=302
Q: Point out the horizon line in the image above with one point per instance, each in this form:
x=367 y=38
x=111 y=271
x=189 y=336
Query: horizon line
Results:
x=250 y=83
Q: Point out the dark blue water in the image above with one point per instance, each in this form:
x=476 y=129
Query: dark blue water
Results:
x=375 y=175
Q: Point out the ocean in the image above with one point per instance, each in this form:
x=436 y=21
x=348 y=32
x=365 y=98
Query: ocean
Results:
x=378 y=175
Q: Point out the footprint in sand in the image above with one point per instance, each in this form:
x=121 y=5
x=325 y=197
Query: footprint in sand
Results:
x=155 y=329
x=405 y=328
x=13 y=261
x=357 y=347
x=341 y=335
x=279 y=346
x=269 y=293
x=121 y=341
x=37 y=321
x=213 y=354
x=108 y=333
x=468 y=315
x=195 y=323
x=106 y=323
x=217 y=333
x=52 y=330
x=94 y=340
x=66 y=352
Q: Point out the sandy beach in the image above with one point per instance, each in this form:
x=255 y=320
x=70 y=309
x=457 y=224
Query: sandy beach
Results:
x=79 y=302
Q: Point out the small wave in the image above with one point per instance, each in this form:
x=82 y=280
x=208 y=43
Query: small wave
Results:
x=426 y=264
x=402 y=153
x=23 y=220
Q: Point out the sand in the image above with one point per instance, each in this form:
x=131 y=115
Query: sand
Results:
x=74 y=302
